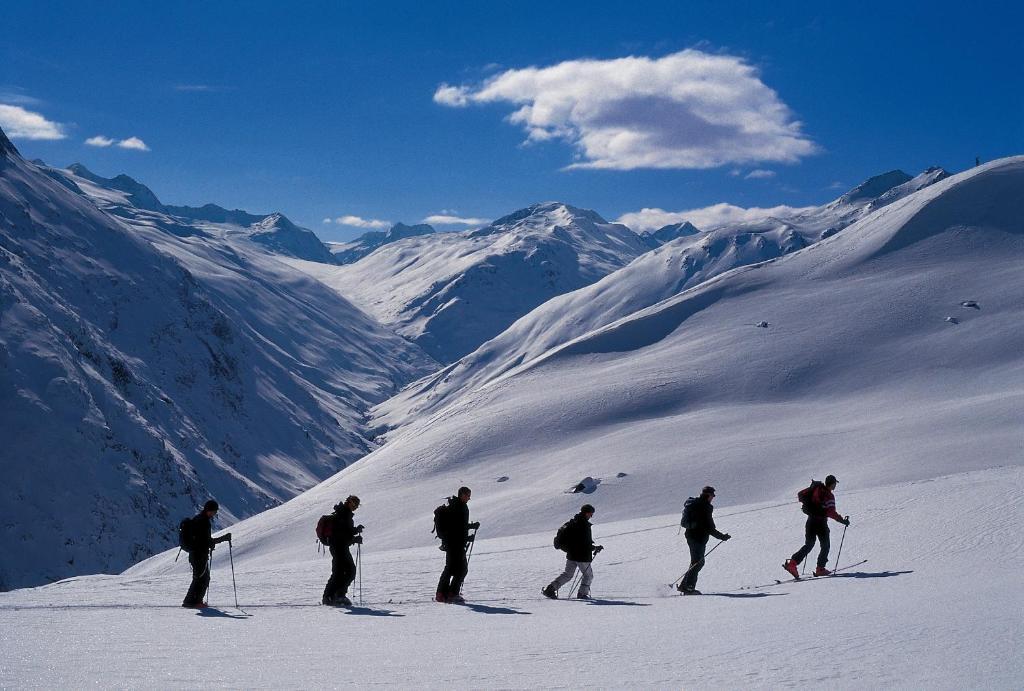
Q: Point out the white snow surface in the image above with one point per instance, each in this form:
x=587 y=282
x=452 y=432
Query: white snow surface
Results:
x=450 y=292
x=936 y=606
x=147 y=364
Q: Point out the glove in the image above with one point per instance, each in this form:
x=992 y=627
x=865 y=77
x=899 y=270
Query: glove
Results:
x=474 y=526
x=470 y=538
x=359 y=528
x=222 y=538
x=598 y=548
x=357 y=540
x=726 y=537
x=846 y=522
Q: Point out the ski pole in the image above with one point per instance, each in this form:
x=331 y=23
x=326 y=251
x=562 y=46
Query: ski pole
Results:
x=359 y=569
x=209 y=575
x=685 y=573
x=841 y=544
x=231 y=555
x=469 y=553
x=575 y=582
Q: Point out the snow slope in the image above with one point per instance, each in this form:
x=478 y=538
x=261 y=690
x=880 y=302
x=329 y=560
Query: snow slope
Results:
x=858 y=370
x=134 y=384
x=687 y=257
x=450 y=292
x=916 y=615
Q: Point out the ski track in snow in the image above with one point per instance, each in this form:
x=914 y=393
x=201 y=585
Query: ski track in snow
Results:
x=901 y=620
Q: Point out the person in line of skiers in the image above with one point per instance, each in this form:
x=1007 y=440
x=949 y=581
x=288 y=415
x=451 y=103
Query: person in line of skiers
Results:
x=344 y=534
x=820 y=505
x=200 y=542
x=576 y=540
x=451 y=521
x=700 y=526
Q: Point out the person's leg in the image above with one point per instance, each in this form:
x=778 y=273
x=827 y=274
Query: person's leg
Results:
x=200 y=562
x=824 y=541
x=810 y=533
x=444 y=584
x=460 y=568
x=697 y=550
x=331 y=589
x=587 y=569
x=565 y=576
x=347 y=573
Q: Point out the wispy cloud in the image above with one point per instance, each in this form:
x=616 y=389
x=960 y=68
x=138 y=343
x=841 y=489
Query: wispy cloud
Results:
x=200 y=88
x=358 y=222
x=759 y=174
x=690 y=109
x=705 y=218
x=100 y=141
x=19 y=123
x=133 y=143
x=450 y=220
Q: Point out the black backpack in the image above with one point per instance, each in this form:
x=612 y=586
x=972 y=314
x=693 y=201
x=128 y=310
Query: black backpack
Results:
x=187 y=534
x=808 y=504
x=688 y=520
x=560 y=536
x=442 y=521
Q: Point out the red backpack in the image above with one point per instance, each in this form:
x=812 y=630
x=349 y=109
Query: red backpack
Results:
x=810 y=504
x=324 y=529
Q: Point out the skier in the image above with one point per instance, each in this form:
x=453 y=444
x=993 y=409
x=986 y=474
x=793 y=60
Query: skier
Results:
x=700 y=526
x=576 y=540
x=201 y=542
x=819 y=504
x=451 y=521
x=344 y=534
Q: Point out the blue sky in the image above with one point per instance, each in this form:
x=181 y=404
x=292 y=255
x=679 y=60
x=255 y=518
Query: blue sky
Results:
x=390 y=112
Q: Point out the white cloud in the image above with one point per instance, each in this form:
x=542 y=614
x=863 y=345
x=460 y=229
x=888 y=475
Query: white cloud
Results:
x=359 y=222
x=99 y=140
x=19 y=123
x=759 y=174
x=685 y=110
x=450 y=220
x=705 y=218
x=133 y=143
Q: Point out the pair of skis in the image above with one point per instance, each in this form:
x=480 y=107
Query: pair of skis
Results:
x=779 y=581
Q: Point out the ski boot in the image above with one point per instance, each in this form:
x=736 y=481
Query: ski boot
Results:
x=790 y=566
x=583 y=596
x=457 y=599
x=440 y=597
x=691 y=591
x=549 y=592
x=822 y=571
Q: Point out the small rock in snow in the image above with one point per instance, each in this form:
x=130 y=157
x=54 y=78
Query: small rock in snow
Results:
x=762 y=325
x=503 y=478
x=952 y=320
x=970 y=303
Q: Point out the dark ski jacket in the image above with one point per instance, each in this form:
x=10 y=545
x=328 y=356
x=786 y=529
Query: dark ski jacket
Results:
x=202 y=533
x=344 y=532
x=823 y=504
x=578 y=540
x=455 y=531
x=701 y=511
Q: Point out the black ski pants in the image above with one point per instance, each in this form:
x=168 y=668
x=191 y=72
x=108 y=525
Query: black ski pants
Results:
x=697 y=550
x=343 y=572
x=816 y=529
x=455 y=569
x=200 y=562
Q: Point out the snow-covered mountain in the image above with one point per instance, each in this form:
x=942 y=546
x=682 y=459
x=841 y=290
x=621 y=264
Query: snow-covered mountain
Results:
x=450 y=292
x=668 y=233
x=147 y=365
x=353 y=251
x=886 y=353
x=685 y=258
x=127 y=198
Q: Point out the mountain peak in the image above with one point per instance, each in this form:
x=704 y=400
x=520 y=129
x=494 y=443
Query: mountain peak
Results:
x=6 y=147
x=549 y=211
x=875 y=186
x=400 y=231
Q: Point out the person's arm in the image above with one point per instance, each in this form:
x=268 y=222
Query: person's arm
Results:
x=712 y=529
x=830 y=511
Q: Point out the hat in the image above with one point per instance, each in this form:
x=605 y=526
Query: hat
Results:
x=211 y=505
x=352 y=498
x=831 y=480
x=586 y=508
x=708 y=489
